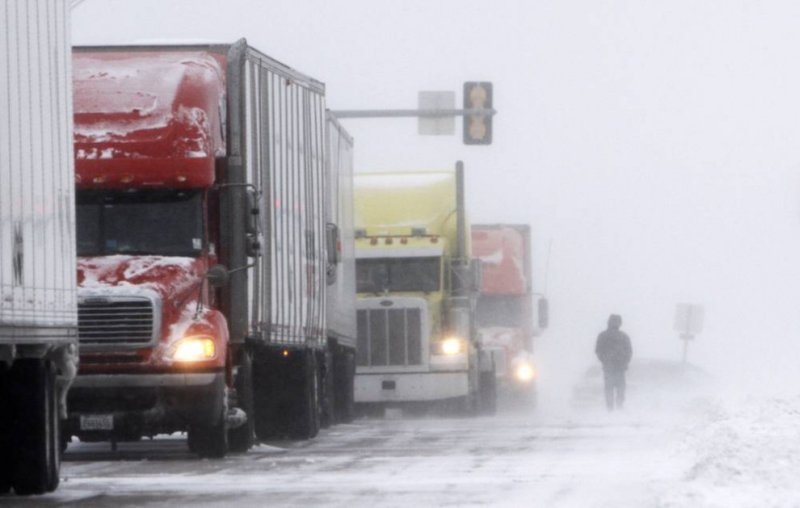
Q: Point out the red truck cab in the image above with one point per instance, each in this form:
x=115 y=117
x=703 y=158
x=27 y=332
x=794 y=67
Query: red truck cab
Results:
x=505 y=313
x=149 y=148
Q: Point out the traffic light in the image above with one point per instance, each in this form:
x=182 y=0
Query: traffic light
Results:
x=477 y=128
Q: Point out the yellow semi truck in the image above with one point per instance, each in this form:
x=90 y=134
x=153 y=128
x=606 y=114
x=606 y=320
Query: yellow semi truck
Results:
x=417 y=286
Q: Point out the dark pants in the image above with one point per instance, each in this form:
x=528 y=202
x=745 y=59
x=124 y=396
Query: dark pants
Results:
x=615 y=388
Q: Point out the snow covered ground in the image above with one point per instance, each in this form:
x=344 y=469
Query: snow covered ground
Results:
x=744 y=452
x=666 y=449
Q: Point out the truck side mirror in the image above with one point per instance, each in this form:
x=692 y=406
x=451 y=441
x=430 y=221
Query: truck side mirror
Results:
x=253 y=244
x=253 y=247
x=217 y=276
x=333 y=247
x=253 y=211
x=543 y=309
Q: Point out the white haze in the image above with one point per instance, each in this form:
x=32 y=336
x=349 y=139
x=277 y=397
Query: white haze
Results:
x=655 y=145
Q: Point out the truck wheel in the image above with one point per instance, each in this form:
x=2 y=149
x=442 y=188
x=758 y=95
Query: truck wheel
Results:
x=465 y=405
x=270 y=391
x=327 y=385
x=6 y=465
x=32 y=397
x=487 y=393
x=55 y=441
x=305 y=421
x=209 y=441
x=242 y=438
x=344 y=374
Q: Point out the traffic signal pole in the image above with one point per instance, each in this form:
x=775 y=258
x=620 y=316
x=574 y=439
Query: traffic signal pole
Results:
x=436 y=110
x=412 y=113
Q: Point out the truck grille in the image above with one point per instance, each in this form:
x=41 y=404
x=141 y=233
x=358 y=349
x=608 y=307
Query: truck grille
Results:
x=389 y=337
x=126 y=322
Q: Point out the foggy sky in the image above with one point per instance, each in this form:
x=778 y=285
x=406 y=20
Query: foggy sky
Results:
x=654 y=145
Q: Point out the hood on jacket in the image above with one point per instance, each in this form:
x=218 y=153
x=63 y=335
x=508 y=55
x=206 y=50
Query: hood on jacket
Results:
x=614 y=322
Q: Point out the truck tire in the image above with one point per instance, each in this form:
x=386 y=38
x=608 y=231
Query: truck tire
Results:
x=268 y=371
x=55 y=441
x=466 y=405
x=344 y=379
x=32 y=434
x=286 y=393
x=6 y=465
x=210 y=440
x=306 y=413
x=327 y=387
x=242 y=438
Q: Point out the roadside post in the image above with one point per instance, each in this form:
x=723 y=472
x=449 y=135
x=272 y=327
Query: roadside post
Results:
x=688 y=323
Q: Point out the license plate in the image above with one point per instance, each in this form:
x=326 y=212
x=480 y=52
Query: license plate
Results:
x=97 y=422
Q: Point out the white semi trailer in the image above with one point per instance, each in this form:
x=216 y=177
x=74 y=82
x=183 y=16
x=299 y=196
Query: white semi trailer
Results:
x=38 y=306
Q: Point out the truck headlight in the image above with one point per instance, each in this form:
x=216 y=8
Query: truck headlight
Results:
x=524 y=373
x=450 y=346
x=194 y=349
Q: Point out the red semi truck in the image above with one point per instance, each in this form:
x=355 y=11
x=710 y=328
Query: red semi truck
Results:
x=210 y=180
x=509 y=313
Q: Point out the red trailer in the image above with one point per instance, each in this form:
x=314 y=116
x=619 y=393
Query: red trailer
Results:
x=507 y=318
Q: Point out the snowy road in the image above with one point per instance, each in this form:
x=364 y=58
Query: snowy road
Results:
x=515 y=460
x=574 y=459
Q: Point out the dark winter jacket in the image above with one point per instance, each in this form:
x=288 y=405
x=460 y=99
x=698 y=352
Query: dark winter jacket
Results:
x=613 y=349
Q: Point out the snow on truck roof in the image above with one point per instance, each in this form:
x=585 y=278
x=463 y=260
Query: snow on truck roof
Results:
x=123 y=92
x=397 y=181
x=382 y=202
x=134 y=105
x=502 y=250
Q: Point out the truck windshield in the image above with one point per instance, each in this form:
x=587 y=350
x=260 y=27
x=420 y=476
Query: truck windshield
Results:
x=398 y=274
x=165 y=223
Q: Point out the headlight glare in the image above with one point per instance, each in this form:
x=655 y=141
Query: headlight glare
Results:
x=450 y=346
x=524 y=372
x=194 y=349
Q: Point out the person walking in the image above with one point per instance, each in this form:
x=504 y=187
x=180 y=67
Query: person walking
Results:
x=614 y=351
